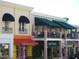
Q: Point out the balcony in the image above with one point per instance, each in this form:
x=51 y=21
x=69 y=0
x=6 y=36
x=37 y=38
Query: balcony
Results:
x=72 y=36
x=55 y=35
x=49 y=35
x=7 y=30
x=23 y=31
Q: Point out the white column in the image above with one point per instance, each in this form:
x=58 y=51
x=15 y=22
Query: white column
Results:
x=61 y=49
x=78 y=46
x=11 y=48
x=45 y=43
x=52 y=52
x=24 y=52
x=66 y=49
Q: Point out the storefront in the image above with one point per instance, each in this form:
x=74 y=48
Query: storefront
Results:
x=6 y=46
x=23 y=47
x=54 y=49
x=38 y=50
x=72 y=47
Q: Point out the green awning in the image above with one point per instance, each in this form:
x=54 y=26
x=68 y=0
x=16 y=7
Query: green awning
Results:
x=43 y=21
x=64 y=25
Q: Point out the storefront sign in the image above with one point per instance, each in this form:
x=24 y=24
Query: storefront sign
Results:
x=52 y=44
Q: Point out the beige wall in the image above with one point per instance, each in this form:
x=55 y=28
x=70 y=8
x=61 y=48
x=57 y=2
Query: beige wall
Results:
x=16 y=11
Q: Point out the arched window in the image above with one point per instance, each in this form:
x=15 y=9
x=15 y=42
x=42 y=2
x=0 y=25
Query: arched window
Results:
x=22 y=21
x=6 y=19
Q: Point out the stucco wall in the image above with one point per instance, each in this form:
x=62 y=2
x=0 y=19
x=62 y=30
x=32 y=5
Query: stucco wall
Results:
x=16 y=11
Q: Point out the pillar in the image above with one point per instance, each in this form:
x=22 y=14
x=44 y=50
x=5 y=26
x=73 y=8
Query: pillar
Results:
x=78 y=45
x=61 y=50
x=52 y=52
x=11 y=50
x=66 y=48
x=76 y=35
x=29 y=51
x=45 y=43
x=14 y=52
x=24 y=52
x=74 y=48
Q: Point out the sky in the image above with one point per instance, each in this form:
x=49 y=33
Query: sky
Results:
x=59 y=8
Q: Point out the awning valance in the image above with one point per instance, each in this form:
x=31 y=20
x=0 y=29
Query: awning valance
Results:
x=43 y=21
x=23 y=19
x=64 y=25
x=8 y=17
x=27 y=40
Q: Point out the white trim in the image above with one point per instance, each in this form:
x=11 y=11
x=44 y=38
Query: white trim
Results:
x=13 y=5
x=48 y=39
x=72 y=39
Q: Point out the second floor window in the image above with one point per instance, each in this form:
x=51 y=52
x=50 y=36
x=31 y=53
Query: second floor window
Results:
x=6 y=25
x=23 y=20
x=22 y=26
x=7 y=18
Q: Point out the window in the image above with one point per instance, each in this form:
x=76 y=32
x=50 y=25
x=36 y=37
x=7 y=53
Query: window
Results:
x=6 y=25
x=23 y=20
x=22 y=27
x=7 y=18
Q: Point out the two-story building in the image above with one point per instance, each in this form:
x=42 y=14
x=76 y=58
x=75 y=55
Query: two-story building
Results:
x=15 y=31
x=56 y=38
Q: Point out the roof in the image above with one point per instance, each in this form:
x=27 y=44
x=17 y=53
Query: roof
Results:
x=46 y=16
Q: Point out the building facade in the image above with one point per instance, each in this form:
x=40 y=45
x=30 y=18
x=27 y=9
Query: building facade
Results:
x=58 y=38
x=15 y=31
x=52 y=36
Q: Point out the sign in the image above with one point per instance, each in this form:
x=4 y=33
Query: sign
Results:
x=52 y=44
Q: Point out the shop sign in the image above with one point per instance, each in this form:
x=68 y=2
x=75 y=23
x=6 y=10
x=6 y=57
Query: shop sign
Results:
x=53 y=44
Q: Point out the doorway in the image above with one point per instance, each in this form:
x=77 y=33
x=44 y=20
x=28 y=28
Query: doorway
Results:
x=21 y=52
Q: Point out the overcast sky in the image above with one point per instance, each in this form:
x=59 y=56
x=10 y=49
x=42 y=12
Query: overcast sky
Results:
x=59 y=8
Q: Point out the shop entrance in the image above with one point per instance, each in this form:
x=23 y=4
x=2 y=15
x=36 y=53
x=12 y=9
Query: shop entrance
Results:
x=38 y=51
x=72 y=48
x=53 y=50
x=22 y=52
x=70 y=51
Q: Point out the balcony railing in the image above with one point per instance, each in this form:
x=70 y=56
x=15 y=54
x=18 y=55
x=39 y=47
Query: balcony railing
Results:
x=55 y=35
x=72 y=36
x=49 y=35
x=7 y=30
x=23 y=31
